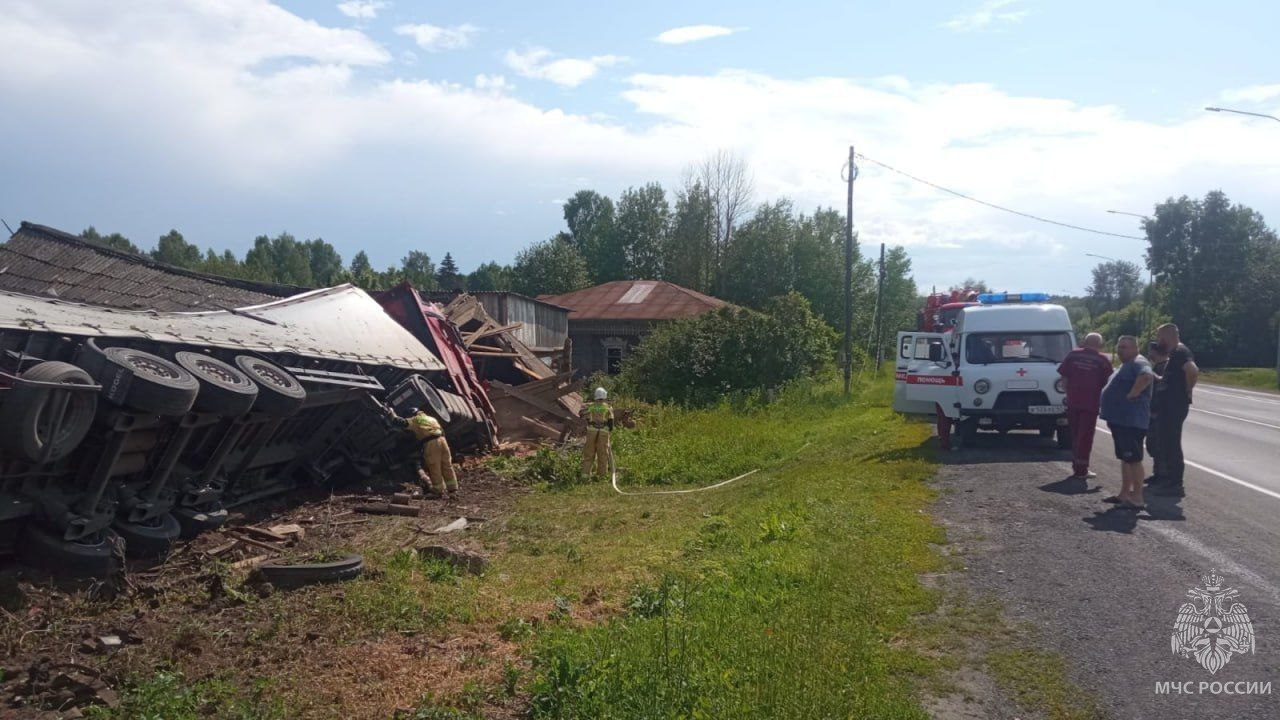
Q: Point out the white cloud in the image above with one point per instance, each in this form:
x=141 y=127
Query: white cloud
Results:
x=1252 y=94
x=542 y=64
x=493 y=83
x=990 y=14
x=435 y=38
x=275 y=118
x=361 y=9
x=693 y=33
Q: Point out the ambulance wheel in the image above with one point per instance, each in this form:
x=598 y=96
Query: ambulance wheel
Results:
x=1064 y=438
x=1047 y=432
x=968 y=433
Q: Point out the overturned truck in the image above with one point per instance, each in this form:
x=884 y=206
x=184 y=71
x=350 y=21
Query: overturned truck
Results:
x=126 y=429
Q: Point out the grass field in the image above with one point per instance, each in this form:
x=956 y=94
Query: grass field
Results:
x=793 y=593
x=1254 y=378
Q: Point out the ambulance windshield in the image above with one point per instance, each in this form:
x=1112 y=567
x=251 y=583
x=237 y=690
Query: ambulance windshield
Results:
x=1016 y=347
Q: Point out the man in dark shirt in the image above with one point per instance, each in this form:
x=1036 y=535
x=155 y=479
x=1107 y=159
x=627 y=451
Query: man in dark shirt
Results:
x=1085 y=371
x=1179 y=378
x=1159 y=360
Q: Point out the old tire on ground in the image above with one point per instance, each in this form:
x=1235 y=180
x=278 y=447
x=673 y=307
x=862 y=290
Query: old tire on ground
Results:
x=151 y=540
x=292 y=576
x=139 y=380
x=193 y=522
x=22 y=428
x=92 y=557
x=224 y=390
x=279 y=393
x=968 y=433
x=1064 y=438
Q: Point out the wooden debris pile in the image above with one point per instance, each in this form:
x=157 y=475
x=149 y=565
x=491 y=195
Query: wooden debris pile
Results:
x=530 y=399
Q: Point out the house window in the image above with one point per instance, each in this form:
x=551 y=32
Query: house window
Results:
x=615 y=349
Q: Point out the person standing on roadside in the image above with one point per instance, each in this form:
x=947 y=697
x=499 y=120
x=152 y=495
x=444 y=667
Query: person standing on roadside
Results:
x=1126 y=406
x=1159 y=361
x=1179 y=377
x=1085 y=371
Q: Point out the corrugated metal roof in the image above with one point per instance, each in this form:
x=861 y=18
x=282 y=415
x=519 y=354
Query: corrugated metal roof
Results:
x=338 y=323
x=42 y=261
x=635 y=300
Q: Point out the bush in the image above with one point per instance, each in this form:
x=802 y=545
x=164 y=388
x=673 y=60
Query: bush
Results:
x=699 y=360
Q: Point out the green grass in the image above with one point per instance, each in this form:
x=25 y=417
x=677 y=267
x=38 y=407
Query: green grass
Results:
x=1255 y=378
x=167 y=696
x=777 y=597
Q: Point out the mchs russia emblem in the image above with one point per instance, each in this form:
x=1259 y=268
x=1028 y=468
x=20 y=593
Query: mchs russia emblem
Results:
x=1210 y=630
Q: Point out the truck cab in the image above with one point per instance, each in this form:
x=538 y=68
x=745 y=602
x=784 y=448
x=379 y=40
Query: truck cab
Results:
x=997 y=370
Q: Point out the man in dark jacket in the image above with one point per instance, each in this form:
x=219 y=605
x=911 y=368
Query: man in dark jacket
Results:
x=1159 y=361
x=1180 y=375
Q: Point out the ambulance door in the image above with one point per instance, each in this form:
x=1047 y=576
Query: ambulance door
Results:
x=922 y=367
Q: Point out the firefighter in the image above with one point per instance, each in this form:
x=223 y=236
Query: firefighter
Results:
x=597 y=453
x=436 y=458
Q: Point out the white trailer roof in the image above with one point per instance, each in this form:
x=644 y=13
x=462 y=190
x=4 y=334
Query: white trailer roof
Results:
x=337 y=323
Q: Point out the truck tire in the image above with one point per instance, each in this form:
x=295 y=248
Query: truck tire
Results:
x=293 y=576
x=1064 y=437
x=224 y=390
x=22 y=417
x=139 y=380
x=42 y=548
x=279 y=393
x=149 y=540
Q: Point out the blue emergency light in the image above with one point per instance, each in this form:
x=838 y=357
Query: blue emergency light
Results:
x=1004 y=297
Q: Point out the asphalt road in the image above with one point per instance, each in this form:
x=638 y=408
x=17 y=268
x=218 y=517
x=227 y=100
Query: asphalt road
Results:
x=1102 y=585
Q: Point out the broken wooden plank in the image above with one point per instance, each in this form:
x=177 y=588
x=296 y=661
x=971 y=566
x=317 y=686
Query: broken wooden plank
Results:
x=262 y=533
x=223 y=548
x=257 y=543
x=250 y=561
x=551 y=432
x=547 y=407
x=289 y=531
x=389 y=509
x=496 y=331
x=488 y=353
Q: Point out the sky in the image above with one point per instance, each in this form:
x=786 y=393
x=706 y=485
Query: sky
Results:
x=392 y=125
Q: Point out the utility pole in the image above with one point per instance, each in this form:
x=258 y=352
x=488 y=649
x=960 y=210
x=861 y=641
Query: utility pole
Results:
x=879 y=310
x=848 y=279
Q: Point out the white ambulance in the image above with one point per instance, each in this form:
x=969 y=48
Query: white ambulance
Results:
x=997 y=370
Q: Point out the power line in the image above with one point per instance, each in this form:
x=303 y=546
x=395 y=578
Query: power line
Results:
x=995 y=206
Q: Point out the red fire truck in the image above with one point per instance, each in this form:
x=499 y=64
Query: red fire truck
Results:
x=942 y=308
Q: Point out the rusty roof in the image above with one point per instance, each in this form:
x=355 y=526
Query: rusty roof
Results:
x=42 y=261
x=635 y=300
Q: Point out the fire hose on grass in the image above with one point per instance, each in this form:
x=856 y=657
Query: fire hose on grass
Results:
x=613 y=476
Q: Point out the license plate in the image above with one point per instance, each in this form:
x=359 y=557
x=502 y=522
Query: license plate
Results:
x=1046 y=409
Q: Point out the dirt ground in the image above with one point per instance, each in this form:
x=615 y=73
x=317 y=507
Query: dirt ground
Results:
x=196 y=614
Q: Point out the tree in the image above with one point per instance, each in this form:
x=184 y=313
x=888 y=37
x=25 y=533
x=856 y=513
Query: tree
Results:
x=730 y=187
x=900 y=302
x=447 y=276
x=417 y=268
x=971 y=284
x=757 y=262
x=817 y=258
x=1116 y=283
x=1217 y=264
x=325 y=263
x=281 y=259
x=590 y=217
x=550 y=267
x=688 y=258
x=115 y=241
x=173 y=249
x=490 y=276
x=642 y=225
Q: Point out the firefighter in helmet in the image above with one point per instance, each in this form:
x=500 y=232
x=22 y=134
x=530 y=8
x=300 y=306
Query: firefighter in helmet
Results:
x=437 y=459
x=597 y=453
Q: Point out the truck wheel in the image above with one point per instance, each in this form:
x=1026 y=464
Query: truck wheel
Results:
x=139 y=380
x=224 y=390
x=279 y=393
x=148 y=540
x=1064 y=438
x=95 y=556
x=969 y=433
x=193 y=522
x=23 y=427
